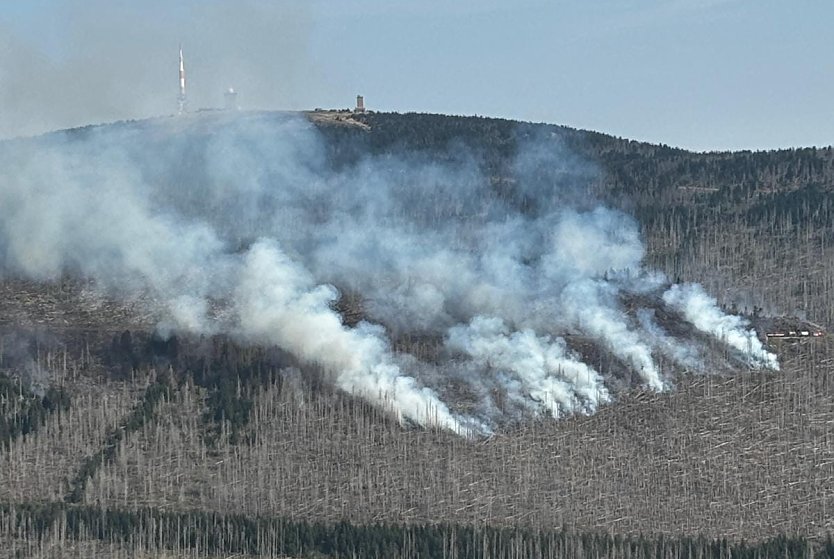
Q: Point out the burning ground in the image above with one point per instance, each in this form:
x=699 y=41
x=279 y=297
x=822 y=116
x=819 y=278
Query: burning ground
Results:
x=421 y=284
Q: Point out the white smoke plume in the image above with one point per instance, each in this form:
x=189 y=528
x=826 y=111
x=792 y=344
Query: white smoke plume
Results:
x=249 y=225
x=702 y=311
x=544 y=370
x=683 y=354
x=279 y=303
x=591 y=304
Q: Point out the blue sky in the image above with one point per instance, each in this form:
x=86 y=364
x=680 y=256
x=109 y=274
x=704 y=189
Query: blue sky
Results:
x=700 y=74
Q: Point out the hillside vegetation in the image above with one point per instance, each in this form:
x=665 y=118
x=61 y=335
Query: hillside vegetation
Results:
x=754 y=227
x=118 y=441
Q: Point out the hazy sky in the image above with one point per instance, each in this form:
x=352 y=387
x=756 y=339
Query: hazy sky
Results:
x=700 y=74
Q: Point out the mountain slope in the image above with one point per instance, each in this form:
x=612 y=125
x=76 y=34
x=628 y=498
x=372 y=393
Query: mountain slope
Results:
x=163 y=280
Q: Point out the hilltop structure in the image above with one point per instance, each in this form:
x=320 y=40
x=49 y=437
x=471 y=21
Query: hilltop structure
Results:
x=181 y=99
x=230 y=99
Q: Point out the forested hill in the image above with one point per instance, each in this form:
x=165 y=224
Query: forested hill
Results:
x=754 y=226
x=630 y=167
x=118 y=440
x=643 y=173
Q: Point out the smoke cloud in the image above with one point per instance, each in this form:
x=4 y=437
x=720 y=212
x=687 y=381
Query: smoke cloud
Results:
x=702 y=310
x=92 y=61
x=526 y=293
x=279 y=303
x=543 y=372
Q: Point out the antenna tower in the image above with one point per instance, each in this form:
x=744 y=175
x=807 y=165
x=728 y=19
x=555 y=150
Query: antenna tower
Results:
x=181 y=99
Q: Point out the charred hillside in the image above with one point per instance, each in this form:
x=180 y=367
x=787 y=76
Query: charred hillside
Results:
x=409 y=336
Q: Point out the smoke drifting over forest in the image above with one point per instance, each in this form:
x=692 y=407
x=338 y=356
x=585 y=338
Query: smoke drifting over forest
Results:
x=244 y=225
x=99 y=60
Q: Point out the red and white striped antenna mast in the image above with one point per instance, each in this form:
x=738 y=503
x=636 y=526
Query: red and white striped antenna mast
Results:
x=181 y=100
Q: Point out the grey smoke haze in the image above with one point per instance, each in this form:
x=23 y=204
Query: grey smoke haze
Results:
x=543 y=374
x=16 y=352
x=249 y=212
x=118 y=60
x=684 y=355
x=701 y=310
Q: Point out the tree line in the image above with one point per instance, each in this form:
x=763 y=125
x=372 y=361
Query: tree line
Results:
x=218 y=533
